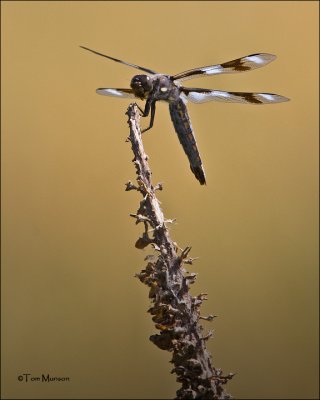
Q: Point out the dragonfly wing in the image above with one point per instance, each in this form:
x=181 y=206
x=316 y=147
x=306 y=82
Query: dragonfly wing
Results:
x=196 y=95
x=124 y=93
x=149 y=71
x=247 y=63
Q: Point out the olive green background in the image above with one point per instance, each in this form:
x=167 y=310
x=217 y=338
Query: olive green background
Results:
x=70 y=304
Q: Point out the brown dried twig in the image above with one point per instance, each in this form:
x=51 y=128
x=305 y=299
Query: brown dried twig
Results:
x=175 y=312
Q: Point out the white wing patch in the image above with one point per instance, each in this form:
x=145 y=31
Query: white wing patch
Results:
x=261 y=59
x=269 y=97
x=215 y=69
x=214 y=95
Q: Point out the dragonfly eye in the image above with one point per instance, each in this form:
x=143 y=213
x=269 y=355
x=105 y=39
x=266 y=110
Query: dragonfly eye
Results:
x=141 y=85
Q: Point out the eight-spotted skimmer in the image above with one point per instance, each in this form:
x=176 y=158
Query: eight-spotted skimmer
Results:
x=154 y=87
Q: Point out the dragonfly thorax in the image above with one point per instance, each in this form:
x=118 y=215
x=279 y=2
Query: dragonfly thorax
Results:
x=164 y=89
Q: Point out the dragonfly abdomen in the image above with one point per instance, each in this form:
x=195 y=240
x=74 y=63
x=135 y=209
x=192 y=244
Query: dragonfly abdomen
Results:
x=182 y=125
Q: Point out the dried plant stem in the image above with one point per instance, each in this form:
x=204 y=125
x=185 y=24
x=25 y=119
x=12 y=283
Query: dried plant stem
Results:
x=175 y=312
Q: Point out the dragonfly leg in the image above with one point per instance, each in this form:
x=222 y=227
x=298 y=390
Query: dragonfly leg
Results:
x=150 y=105
x=140 y=109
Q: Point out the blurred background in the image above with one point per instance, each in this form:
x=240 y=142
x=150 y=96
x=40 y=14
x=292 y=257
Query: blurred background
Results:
x=70 y=304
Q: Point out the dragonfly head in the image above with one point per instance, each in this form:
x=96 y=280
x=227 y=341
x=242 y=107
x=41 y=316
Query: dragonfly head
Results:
x=141 y=85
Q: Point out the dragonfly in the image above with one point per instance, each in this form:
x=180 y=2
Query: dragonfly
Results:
x=152 y=87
